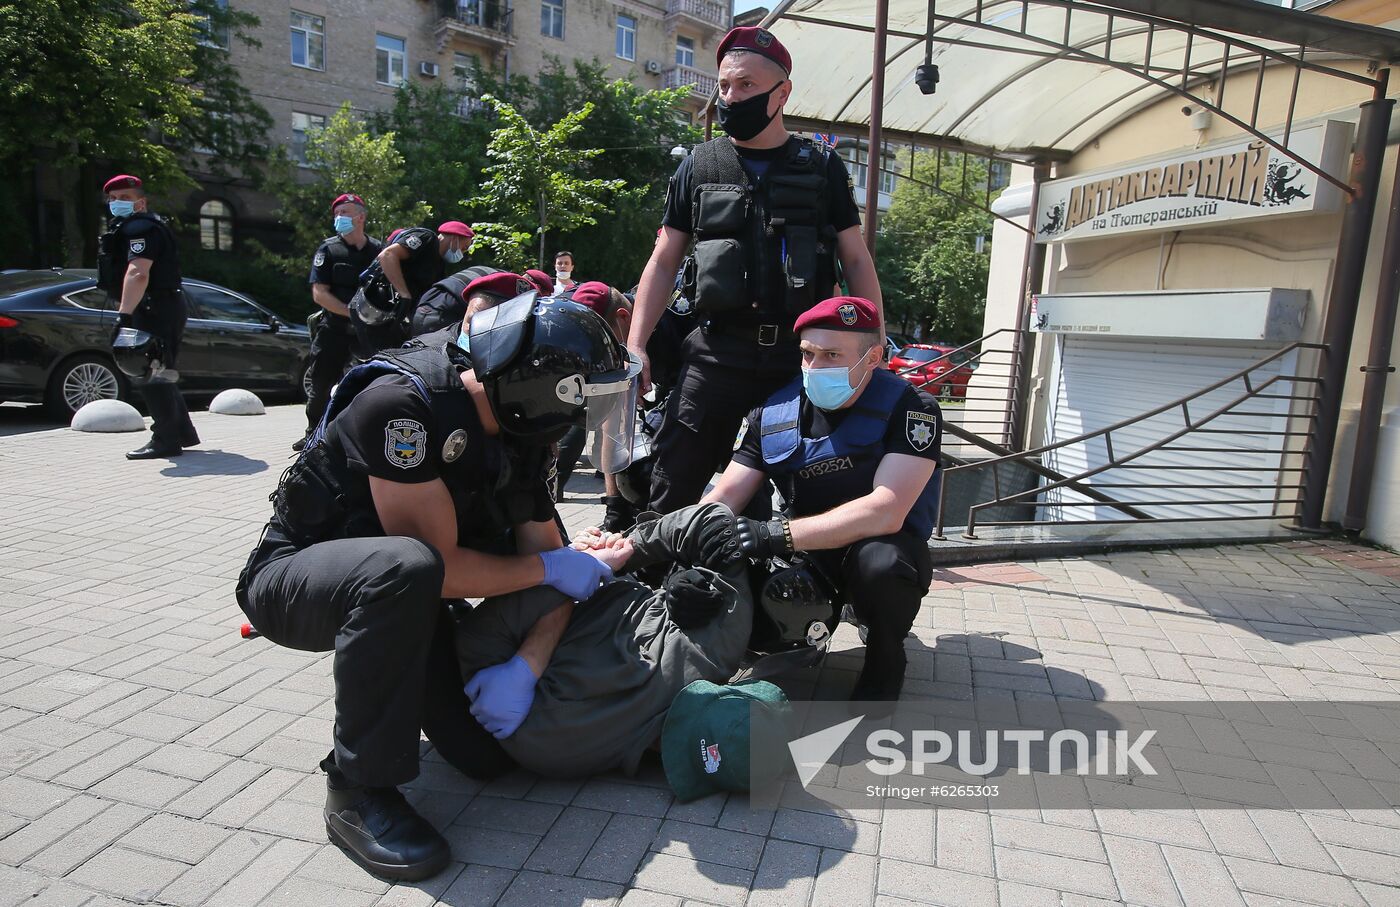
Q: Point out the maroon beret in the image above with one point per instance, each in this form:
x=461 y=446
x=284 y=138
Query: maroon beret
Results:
x=392 y=233
x=350 y=197
x=503 y=284
x=840 y=313
x=595 y=294
x=541 y=280
x=455 y=228
x=759 y=40
x=122 y=181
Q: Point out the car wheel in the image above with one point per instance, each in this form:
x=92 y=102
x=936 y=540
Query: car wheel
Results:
x=945 y=391
x=81 y=380
x=306 y=381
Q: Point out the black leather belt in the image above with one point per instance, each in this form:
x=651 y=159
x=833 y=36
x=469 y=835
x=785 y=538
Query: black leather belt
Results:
x=762 y=334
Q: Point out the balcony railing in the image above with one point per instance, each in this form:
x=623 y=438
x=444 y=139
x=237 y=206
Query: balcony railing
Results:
x=488 y=19
x=709 y=13
x=701 y=83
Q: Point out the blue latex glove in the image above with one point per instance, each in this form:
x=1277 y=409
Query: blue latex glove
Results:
x=501 y=696
x=574 y=573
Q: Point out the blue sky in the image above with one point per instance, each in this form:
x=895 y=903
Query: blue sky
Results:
x=741 y=6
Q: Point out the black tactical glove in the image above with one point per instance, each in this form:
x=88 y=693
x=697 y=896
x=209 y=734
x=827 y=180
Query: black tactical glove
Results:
x=719 y=544
x=124 y=320
x=692 y=598
x=762 y=541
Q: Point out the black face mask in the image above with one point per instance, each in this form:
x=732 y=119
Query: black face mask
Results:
x=747 y=118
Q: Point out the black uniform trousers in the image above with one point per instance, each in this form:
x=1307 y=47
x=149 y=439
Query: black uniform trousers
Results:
x=330 y=355
x=377 y=603
x=714 y=391
x=884 y=578
x=162 y=314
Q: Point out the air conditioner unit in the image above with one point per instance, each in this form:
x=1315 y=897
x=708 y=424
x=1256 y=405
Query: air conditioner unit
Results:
x=654 y=67
x=428 y=69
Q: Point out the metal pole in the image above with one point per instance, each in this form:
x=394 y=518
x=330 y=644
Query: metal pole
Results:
x=1032 y=279
x=872 y=143
x=1376 y=369
x=1342 y=298
x=709 y=120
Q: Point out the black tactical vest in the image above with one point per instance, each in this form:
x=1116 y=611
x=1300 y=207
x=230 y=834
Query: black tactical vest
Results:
x=114 y=254
x=347 y=263
x=737 y=224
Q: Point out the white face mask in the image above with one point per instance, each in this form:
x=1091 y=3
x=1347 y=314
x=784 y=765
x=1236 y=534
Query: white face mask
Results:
x=562 y=275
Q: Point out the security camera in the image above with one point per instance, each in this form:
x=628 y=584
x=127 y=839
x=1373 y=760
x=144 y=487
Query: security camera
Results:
x=926 y=77
x=1187 y=111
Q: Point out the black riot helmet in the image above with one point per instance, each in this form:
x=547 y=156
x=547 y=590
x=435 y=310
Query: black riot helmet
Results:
x=548 y=367
x=796 y=610
x=134 y=351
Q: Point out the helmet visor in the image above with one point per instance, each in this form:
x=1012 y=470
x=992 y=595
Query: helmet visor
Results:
x=611 y=401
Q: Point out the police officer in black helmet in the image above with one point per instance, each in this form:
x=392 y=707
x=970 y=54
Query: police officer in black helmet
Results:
x=771 y=216
x=335 y=275
x=138 y=265
x=425 y=482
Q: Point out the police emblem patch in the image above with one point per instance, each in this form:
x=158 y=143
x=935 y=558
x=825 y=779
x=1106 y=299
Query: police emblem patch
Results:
x=679 y=304
x=138 y=246
x=920 y=429
x=405 y=443
x=454 y=445
x=319 y=260
x=743 y=430
x=848 y=314
x=763 y=38
x=413 y=242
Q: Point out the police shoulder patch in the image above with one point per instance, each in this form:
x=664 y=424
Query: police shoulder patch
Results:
x=405 y=443
x=920 y=429
x=413 y=241
x=138 y=246
x=319 y=260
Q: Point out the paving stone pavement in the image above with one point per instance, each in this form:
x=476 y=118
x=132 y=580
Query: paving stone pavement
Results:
x=149 y=755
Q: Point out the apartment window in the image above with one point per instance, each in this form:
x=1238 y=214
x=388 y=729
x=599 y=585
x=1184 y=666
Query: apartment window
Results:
x=216 y=225
x=390 y=60
x=308 y=41
x=303 y=123
x=210 y=35
x=685 y=51
x=626 y=37
x=464 y=70
x=552 y=18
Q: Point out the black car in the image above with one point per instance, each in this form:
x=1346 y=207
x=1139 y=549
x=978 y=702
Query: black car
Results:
x=56 y=331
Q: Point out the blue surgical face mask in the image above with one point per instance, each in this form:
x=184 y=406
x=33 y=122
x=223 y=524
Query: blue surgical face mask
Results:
x=464 y=341
x=121 y=207
x=344 y=224
x=452 y=256
x=828 y=388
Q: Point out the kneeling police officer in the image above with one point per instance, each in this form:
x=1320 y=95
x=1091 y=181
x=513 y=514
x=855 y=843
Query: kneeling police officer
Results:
x=853 y=450
x=425 y=481
x=139 y=267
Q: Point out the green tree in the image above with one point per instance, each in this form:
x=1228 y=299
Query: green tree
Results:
x=931 y=273
x=124 y=82
x=535 y=181
x=342 y=157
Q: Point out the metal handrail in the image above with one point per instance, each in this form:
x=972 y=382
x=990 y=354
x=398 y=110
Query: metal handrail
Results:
x=1254 y=389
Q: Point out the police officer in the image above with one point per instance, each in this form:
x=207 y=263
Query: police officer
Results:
x=451 y=299
x=335 y=275
x=426 y=482
x=138 y=265
x=390 y=291
x=771 y=215
x=853 y=449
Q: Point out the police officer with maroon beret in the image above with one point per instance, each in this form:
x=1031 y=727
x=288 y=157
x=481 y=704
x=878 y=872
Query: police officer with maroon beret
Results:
x=138 y=265
x=335 y=275
x=853 y=448
x=771 y=226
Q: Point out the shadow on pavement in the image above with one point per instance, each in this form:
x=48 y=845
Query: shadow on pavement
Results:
x=17 y=419
x=213 y=463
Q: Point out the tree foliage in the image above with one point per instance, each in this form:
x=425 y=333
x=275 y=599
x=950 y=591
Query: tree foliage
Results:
x=537 y=180
x=931 y=273
x=342 y=157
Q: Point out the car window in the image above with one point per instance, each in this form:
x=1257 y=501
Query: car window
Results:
x=960 y=357
x=918 y=355
x=217 y=305
x=91 y=298
x=23 y=281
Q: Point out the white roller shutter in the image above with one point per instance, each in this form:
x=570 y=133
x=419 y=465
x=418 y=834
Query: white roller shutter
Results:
x=1098 y=381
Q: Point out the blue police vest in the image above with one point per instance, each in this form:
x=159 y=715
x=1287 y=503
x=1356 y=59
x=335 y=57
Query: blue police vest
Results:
x=854 y=450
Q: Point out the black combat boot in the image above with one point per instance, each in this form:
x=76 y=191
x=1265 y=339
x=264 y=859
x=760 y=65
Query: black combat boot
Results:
x=377 y=828
x=621 y=514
